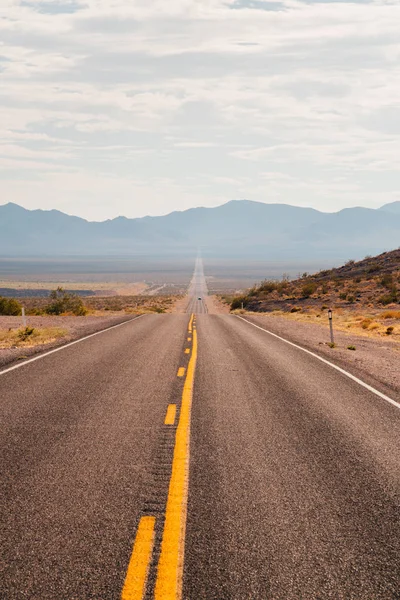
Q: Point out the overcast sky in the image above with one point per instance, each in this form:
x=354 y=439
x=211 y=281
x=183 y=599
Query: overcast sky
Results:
x=135 y=107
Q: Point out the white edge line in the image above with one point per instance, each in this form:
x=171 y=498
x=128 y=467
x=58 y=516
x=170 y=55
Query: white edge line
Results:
x=30 y=360
x=327 y=362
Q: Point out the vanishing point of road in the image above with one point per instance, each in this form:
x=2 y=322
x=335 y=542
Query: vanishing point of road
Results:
x=196 y=457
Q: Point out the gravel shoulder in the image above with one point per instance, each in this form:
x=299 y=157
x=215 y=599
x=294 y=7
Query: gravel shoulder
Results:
x=375 y=361
x=76 y=327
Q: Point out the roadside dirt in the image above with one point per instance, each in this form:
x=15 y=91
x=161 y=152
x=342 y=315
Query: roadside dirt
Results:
x=76 y=327
x=215 y=306
x=377 y=360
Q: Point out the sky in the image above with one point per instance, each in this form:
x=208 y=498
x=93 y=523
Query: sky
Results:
x=142 y=107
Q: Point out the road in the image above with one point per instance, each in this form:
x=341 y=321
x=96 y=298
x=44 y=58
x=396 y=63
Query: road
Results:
x=198 y=291
x=197 y=458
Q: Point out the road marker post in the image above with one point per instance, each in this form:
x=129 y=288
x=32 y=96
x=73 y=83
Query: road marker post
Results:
x=330 y=317
x=23 y=317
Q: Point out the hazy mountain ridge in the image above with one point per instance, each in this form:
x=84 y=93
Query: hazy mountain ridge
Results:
x=238 y=228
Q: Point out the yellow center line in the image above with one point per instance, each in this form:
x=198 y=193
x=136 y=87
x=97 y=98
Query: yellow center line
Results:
x=170 y=566
x=191 y=323
x=171 y=414
x=138 y=569
x=187 y=351
x=181 y=371
x=189 y=339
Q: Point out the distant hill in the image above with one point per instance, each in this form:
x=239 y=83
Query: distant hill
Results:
x=373 y=282
x=393 y=207
x=239 y=228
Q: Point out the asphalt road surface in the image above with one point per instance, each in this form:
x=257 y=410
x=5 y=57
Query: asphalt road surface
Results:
x=197 y=458
x=198 y=291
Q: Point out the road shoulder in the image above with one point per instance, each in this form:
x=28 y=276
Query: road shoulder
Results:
x=374 y=361
x=77 y=328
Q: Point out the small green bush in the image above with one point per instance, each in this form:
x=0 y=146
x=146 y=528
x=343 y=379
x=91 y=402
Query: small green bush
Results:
x=253 y=292
x=387 y=281
x=373 y=268
x=351 y=348
x=392 y=296
x=10 y=307
x=237 y=302
x=268 y=286
x=64 y=302
x=308 y=289
x=26 y=333
x=389 y=330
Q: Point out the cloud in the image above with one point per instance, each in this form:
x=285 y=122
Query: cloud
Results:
x=201 y=97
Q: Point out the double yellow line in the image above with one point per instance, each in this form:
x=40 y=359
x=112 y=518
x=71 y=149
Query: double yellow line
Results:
x=170 y=566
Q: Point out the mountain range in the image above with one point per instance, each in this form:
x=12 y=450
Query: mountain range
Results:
x=240 y=228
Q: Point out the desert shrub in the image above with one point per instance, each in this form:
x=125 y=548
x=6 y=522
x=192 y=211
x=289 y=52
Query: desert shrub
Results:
x=237 y=302
x=35 y=312
x=9 y=306
x=373 y=268
x=389 y=330
x=387 y=281
x=351 y=299
x=157 y=309
x=343 y=296
x=351 y=348
x=295 y=309
x=64 y=302
x=283 y=285
x=308 y=289
x=26 y=333
x=115 y=306
x=365 y=323
x=350 y=263
x=392 y=296
x=268 y=286
x=253 y=292
x=391 y=314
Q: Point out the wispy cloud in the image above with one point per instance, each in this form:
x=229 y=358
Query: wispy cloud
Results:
x=187 y=102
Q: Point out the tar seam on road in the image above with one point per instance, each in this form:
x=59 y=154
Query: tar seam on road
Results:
x=170 y=567
x=138 y=569
x=31 y=360
x=327 y=362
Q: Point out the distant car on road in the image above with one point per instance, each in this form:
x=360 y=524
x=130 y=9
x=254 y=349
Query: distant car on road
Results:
x=199 y=298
